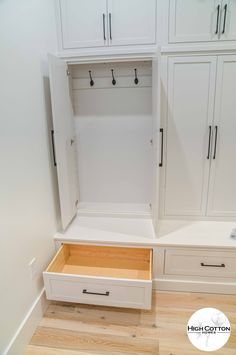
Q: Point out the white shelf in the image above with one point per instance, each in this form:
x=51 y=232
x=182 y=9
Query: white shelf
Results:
x=112 y=230
x=212 y=234
x=140 y=232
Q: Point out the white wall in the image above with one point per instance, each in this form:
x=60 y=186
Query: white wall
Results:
x=27 y=195
x=114 y=149
x=114 y=132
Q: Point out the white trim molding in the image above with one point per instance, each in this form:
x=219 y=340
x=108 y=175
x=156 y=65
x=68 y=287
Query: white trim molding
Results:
x=194 y=286
x=22 y=336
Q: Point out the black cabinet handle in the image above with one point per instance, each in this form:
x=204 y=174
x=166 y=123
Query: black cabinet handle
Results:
x=162 y=145
x=107 y=293
x=217 y=19
x=110 y=26
x=53 y=148
x=224 y=21
x=104 y=26
x=212 y=265
x=216 y=136
x=209 y=143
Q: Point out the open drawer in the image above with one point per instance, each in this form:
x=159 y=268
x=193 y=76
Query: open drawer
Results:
x=101 y=275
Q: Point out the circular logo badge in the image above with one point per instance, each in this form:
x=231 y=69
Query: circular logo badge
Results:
x=208 y=329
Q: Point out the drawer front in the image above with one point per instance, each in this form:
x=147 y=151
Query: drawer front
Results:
x=99 y=291
x=200 y=263
x=102 y=275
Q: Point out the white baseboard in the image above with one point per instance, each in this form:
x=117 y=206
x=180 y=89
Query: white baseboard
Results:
x=194 y=286
x=26 y=329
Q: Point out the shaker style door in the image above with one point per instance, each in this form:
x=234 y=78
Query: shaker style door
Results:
x=83 y=23
x=222 y=187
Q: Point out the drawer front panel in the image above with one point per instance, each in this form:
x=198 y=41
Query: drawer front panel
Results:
x=200 y=263
x=121 y=293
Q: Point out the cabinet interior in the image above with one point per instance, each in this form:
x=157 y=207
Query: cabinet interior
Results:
x=113 y=125
x=115 y=262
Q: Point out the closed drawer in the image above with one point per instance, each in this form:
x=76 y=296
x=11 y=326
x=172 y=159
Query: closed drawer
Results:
x=200 y=263
x=100 y=275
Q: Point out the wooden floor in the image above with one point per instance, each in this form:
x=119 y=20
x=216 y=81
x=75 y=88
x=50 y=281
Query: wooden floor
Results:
x=70 y=329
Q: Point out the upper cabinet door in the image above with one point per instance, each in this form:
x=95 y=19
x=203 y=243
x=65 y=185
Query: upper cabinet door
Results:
x=191 y=87
x=228 y=20
x=83 y=23
x=222 y=187
x=194 y=20
x=65 y=149
x=131 y=22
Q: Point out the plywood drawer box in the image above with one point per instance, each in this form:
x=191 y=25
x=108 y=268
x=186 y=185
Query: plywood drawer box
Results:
x=101 y=275
x=200 y=263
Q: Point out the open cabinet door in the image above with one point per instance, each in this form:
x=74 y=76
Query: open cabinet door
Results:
x=64 y=138
x=157 y=135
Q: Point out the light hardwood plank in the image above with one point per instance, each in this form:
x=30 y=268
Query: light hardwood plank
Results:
x=71 y=329
x=42 y=350
x=100 y=343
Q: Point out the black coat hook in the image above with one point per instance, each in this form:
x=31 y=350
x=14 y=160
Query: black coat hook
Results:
x=91 y=79
x=136 y=77
x=113 y=78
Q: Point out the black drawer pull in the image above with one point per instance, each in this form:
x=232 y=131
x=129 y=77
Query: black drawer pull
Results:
x=96 y=293
x=212 y=265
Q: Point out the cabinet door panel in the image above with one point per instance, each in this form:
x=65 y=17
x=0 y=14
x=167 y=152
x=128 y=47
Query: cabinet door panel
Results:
x=132 y=22
x=64 y=139
x=228 y=20
x=82 y=23
x=222 y=188
x=190 y=112
x=193 y=20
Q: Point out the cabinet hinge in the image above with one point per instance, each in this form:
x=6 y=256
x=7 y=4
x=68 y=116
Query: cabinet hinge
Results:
x=76 y=202
x=68 y=72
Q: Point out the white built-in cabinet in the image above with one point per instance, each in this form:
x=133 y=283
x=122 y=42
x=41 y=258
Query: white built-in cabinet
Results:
x=102 y=23
x=137 y=140
x=222 y=191
x=202 y=20
x=200 y=171
x=105 y=131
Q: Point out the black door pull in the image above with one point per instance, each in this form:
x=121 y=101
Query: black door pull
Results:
x=53 y=148
x=216 y=136
x=217 y=19
x=110 y=26
x=209 y=143
x=104 y=26
x=224 y=21
x=162 y=146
